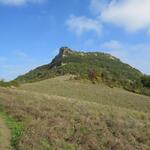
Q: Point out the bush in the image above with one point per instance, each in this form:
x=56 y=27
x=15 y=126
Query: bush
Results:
x=14 y=83
x=9 y=84
x=145 y=81
x=93 y=76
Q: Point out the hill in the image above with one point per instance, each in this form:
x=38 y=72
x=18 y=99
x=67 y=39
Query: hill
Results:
x=60 y=113
x=96 y=66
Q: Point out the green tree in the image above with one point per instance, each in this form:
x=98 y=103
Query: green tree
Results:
x=146 y=81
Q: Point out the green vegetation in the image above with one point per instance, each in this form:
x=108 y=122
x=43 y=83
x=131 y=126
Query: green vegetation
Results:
x=9 y=84
x=16 y=128
x=79 y=63
x=44 y=144
x=146 y=81
x=109 y=70
x=60 y=113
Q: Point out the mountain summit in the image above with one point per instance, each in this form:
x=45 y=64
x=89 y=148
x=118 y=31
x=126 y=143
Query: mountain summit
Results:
x=103 y=67
x=78 y=63
x=57 y=61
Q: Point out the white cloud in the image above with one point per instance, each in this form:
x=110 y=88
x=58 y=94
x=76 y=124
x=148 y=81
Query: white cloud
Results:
x=19 y=2
x=113 y=44
x=82 y=24
x=96 y=6
x=132 y=15
x=136 y=55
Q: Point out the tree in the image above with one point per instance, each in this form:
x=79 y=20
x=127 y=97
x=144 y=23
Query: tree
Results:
x=145 y=81
x=93 y=76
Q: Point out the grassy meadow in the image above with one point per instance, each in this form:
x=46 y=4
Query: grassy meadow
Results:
x=63 y=114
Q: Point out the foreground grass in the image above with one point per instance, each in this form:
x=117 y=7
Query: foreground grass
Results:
x=73 y=120
x=16 y=127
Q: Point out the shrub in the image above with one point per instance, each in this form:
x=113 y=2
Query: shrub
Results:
x=92 y=76
x=9 y=84
x=145 y=81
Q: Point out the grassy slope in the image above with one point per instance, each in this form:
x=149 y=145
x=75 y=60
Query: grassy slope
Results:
x=102 y=94
x=60 y=114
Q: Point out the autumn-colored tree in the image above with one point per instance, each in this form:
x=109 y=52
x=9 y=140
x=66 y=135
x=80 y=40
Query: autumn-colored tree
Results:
x=92 y=75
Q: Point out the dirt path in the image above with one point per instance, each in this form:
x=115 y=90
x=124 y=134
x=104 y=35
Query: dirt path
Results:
x=5 y=136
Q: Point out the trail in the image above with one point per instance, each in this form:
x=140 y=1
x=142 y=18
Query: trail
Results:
x=5 y=136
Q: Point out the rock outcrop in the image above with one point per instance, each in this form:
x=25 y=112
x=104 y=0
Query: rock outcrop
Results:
x=57 y=61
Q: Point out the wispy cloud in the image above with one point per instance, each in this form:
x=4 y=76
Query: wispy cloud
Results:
x=113 y=44
x=20 y=2
x=10 y=71
x=82 y=24
x=97 y=6
x=3 y=59
x=21 y=55
x=136 y=55
x=11 y=68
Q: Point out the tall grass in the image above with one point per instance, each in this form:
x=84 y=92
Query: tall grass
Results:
x=68 y=115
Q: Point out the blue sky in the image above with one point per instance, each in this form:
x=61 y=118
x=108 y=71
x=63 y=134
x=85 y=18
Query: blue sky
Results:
x=32 y=31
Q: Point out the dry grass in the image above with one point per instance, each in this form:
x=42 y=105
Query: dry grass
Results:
x=62 y=86
x=80 y=116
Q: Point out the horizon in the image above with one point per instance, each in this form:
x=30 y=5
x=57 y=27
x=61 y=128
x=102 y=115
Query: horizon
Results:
x=33 y=30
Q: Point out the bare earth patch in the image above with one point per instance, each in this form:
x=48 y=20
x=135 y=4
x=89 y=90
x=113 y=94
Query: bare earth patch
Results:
x=5 y=136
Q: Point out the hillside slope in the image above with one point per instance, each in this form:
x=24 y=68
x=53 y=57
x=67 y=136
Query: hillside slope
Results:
x=63 y=86
x=80 y=63
x=95 y=66
x=60 y=113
